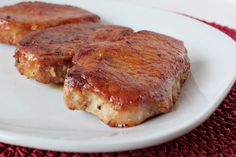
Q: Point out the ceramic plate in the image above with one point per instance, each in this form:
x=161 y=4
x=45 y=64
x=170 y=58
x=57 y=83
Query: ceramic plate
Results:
x=34 y=115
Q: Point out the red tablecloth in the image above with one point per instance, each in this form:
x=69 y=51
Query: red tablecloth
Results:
x=215 y=137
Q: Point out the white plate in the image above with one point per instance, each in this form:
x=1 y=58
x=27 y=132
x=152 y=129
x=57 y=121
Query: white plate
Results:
x=34 y=115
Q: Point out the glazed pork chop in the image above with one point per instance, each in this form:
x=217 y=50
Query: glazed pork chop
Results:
x=22 y=18
x=45 y=55
x=128 y=81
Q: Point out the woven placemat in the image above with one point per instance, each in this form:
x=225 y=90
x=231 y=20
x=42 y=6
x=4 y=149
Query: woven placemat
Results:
x=215 y=137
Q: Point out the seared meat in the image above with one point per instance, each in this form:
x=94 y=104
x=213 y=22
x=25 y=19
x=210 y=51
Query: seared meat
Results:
x=19 y=19
x=128 y=81
x=46 y=55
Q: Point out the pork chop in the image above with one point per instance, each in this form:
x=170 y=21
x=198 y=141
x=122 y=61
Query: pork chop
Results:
x=22 y=18
x=45 y=55
x=128 y=81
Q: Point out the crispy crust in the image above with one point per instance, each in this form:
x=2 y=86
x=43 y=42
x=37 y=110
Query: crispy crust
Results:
x=82 y=99
x=22 y=18
x=36 y=67
x=46 y=55
x=132 y=79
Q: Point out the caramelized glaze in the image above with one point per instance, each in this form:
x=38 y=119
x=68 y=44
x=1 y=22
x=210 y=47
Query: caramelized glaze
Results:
x=18 y=20
x=41 y=14
x=60 y=43
x=45 y=55
x=137 y=70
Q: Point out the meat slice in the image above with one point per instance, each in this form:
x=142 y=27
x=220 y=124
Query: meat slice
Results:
x=126 y=82
x=46 y=55
x=22 y=18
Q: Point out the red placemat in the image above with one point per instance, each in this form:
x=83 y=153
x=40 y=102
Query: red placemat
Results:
x=215 y=137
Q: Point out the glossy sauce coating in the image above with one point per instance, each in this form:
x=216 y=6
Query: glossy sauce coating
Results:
x=137 y=70
x=41 y=14
x=57 y=43
x=45 y=55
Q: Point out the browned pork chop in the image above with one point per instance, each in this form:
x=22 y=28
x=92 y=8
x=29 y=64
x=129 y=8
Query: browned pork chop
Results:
x=22 y=18
x=46 y=55
x=126 y=82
